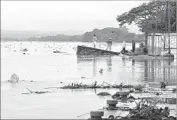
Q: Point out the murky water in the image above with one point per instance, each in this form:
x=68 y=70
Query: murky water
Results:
x=48 y=69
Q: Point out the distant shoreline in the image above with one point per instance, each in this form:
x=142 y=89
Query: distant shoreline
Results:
x=65 y=41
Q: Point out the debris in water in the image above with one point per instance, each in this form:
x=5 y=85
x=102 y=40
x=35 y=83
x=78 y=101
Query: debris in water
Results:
x=14 y=78
x=101 y=71
x=36 y=92
x=174 y=90
x=25 y=50
x=162 y=85
x=57 y=51
x=96 y=115
x=144 y=110
x=123 y=97
x=94 y=85
x=103 y=94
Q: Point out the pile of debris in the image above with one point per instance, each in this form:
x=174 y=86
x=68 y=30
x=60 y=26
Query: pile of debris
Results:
x=80 y=86
x=95 y=85
x=145 y=110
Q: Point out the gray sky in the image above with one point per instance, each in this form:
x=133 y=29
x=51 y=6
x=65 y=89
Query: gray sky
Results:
x=63 y=16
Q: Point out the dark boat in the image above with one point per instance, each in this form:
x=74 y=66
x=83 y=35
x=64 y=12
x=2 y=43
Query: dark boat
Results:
x=84 y=50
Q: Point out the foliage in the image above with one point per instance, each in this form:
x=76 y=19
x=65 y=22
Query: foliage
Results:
x=117 y=35
x=150 y=16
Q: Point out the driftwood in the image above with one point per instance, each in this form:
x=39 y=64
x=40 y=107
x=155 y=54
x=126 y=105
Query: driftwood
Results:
x=94 y=85
x=36 y=92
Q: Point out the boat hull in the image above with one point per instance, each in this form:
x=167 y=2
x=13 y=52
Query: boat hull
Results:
x=84 y=50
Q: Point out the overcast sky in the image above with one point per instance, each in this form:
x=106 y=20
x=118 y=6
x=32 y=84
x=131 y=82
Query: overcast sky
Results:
x=53 y=16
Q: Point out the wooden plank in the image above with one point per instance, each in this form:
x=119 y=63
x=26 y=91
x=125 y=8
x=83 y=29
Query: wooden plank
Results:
x=84 y=50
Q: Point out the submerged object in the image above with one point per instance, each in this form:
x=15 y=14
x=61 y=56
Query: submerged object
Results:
x=101 y=71
x=84 y=50
x=96 y=115
x=103 y=94
x=162 y=85
x=138 y=87
x=25 y=50
x=56 y=51
x=14 y=78
x=111 y=104
x=123 y=93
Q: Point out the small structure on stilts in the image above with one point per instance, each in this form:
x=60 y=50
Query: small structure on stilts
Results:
x=159 y=41
x=159 y=44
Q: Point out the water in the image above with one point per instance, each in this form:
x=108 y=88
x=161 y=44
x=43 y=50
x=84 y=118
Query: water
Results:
x=48 y=69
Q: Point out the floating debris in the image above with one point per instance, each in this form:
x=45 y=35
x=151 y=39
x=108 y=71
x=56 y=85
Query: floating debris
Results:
x=96 y=115
x=14 y=78
x=138 y=87
x=101 y=71
x=103 y=94
x=162 y=85
x=174 y=90
x=57 y=51
x=80 y=86
x=36 y=92
x=25 y=50
x=144 y=110
x=123 y=97
x=94 y=85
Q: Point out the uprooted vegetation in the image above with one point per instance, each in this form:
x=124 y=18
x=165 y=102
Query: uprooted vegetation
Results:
x=95 y=85
x=147 y=109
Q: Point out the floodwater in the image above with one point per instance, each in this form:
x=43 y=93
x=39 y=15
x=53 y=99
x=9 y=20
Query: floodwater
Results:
x=40 y=68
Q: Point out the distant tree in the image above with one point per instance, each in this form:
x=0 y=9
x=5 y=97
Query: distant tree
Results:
x=150 y=16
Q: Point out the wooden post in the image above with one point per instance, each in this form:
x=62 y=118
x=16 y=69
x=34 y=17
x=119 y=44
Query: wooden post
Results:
x=168 y=8
x=146 y=70
x=153 y=38
x=168 y=24
x=146 y=40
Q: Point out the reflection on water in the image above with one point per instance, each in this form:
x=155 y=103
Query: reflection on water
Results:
x=109 y=63
x=94 y=61
x=158 y=70
x=94 y=67
x=151 y=70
